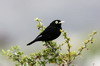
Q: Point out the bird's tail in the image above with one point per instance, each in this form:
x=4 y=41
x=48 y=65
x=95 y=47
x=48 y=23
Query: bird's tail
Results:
x=31 y=43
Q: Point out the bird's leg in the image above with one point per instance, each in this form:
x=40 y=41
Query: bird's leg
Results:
x=47 y=44
x=51 y=46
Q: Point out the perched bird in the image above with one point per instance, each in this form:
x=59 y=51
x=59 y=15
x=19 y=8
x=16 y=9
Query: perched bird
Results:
x=50 y=33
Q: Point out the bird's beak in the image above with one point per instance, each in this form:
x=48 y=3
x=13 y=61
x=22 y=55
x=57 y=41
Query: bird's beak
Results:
x=61 y=22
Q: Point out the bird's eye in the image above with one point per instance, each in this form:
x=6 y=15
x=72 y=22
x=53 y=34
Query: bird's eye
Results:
x=56 y=22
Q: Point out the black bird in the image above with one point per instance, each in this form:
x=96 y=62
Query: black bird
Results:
x=50 y=33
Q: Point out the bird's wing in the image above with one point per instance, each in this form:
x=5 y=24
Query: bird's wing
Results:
x=49 y=33
x=45 y=34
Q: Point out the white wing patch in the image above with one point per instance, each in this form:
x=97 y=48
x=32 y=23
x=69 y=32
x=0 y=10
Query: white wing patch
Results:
x=39 y=36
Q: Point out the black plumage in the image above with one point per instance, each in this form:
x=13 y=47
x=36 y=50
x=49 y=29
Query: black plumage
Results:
x=50 y=33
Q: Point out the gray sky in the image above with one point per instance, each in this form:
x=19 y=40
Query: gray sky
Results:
x=17 y=18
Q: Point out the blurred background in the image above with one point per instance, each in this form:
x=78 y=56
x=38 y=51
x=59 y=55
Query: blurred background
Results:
x=17 y=25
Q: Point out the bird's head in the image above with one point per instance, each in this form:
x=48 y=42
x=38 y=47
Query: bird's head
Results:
x=56 y=23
